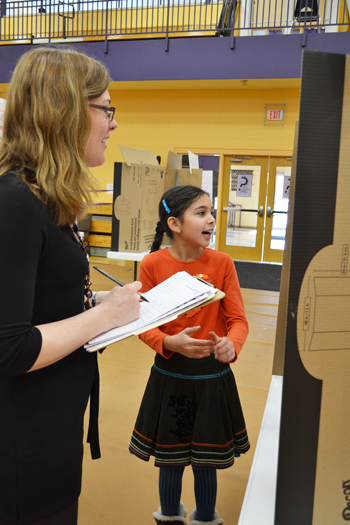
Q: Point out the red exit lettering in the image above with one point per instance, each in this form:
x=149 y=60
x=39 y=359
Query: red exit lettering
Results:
x=275 y=114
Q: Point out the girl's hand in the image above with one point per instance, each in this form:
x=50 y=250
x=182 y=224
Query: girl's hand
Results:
x=223 y=348
x=184 y=344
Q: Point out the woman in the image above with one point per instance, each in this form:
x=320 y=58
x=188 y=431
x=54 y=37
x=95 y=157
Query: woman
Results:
x=56 y=126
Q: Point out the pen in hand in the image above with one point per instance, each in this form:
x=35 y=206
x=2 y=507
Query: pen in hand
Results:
x=116 y=281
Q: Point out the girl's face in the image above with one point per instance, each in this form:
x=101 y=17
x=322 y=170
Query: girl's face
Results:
x=198 y=223
x=101 y=126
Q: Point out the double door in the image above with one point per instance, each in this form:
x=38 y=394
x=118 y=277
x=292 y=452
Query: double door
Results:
x=254 y=210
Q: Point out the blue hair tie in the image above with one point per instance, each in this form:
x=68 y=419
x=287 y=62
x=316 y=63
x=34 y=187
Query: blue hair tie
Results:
x=166 y=207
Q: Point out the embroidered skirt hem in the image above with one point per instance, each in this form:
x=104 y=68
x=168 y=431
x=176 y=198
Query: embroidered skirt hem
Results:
x=185 y=421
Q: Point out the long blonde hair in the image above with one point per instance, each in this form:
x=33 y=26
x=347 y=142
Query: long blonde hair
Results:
x=47 y=125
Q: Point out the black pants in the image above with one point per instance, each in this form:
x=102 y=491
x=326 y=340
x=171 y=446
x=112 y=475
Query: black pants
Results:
x=67 y=516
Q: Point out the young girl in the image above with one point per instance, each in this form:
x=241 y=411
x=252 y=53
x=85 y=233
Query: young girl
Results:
x=190 y=413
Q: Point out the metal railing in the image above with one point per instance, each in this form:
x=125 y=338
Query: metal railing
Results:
x=54 y=20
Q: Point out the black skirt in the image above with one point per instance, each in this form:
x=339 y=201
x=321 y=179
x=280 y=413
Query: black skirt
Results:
x=190 y=415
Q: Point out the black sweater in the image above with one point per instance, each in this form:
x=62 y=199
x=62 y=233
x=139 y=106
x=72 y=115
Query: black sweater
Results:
x=42 y=274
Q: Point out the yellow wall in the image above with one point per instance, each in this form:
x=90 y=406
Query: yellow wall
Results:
x=190 y=119
x=162 y=120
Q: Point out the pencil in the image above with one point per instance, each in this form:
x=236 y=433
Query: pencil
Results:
x=116 y=281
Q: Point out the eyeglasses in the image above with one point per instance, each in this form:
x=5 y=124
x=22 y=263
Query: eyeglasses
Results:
x=110 y=111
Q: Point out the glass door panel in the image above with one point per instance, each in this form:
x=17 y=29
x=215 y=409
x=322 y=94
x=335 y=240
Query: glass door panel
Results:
x=277 y=208
x=241 y=226
x=280 y=208
x=244 y=191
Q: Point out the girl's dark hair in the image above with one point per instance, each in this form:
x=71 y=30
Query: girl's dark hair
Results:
x=174 y=203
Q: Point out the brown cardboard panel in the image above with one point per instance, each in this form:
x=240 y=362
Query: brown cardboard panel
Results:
x=171 y=178
x=323 y=331
x=173 y=160
x=301 y=497
x=138 y=156
x=139 y=184
x=137 y=191
x=187 y=177
x=182 y=176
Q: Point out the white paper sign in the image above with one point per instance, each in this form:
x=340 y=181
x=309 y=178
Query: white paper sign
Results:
x=207 y=182
x=286 y=185
x=244 y=184
x=193 y=161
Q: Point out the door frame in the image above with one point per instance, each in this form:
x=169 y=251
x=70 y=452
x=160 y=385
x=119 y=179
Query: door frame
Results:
x=222 y=152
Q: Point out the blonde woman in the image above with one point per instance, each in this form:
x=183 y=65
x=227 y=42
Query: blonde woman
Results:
x=57 y=122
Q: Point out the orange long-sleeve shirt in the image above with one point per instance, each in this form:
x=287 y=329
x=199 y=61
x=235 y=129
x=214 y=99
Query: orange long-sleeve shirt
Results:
x=225 y=317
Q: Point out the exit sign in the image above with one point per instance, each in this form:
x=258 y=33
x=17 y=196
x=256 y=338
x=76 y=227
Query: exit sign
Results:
x=275 y=114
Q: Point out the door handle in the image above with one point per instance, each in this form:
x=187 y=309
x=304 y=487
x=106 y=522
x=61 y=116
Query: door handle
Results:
x=260 y=211
x=270 y=212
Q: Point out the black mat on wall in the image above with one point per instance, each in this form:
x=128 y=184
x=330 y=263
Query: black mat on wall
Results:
x=259 y=276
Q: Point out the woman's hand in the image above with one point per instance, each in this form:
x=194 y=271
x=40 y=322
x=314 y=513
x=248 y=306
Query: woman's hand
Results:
x=184 y=344
x=121 y=305
x=223 y=348
x=118 y=307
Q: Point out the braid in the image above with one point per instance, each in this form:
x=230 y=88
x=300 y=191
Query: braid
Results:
x=157 y=241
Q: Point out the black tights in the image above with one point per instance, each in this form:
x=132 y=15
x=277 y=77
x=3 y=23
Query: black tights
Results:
x=205 y=490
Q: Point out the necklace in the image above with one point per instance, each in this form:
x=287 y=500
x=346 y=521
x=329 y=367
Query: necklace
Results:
x=87 y=291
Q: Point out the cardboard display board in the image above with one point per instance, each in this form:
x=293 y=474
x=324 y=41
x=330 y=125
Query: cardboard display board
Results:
x=137 y=189
x=313 y=480
x=139 y=184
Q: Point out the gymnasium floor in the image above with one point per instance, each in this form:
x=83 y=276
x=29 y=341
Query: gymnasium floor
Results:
x=119 y=489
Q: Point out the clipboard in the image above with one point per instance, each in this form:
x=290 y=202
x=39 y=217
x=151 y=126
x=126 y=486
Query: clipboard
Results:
x=104 y=340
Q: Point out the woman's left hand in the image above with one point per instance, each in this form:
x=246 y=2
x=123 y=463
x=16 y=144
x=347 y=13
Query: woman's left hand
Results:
x=224 y=350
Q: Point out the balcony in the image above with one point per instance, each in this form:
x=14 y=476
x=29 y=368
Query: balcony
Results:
x=216 y=41
x=36 y=21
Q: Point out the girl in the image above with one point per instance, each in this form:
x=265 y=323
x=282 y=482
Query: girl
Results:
x=190 y=413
